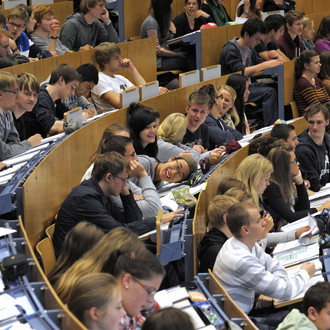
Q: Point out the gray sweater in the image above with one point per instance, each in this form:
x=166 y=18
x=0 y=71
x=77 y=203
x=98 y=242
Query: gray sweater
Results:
x=43 y=43
x=76 y=32
x=10 y=144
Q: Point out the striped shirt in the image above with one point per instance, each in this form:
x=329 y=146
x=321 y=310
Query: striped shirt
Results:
x=242 y=272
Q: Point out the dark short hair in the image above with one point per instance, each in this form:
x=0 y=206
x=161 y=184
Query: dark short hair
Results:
x=199 y=97
x=281 y=131
x=238 y=216
x=66 y=71
x=110 y=162
x=274 y=22
x=210 y=91
x=292 y=16
x=198 y=1
x=88 y=73
x=252 y=26
x=316 y=108
x=317 y=296
x=115 y=143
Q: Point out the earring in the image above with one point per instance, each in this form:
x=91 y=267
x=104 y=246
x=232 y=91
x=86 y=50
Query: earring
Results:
x=126 y=287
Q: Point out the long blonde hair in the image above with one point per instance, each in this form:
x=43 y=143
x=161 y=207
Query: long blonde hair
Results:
x=250 y=171
x=232 y=111
x=173 y=128
x=94 y=260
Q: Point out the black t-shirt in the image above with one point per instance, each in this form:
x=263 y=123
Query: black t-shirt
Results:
x=324 y=156
x=272 y=45
x=200 y=137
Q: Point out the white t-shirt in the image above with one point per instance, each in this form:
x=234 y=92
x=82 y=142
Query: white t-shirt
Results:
x=107 y=84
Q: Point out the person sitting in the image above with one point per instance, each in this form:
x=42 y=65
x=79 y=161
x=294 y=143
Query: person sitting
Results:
x=158 y=25
x=220 y=134
x=322 y=42
x=26 y=100
x=80 y=239
x=240 y=84
x=308 y=89
x=290 y=43
x=16 y=22
x=106 y=94
x=249 y=9
x=284 y=201
x=6 y=57
x=141 y=121
x=218 y=232
x=84 y=30
x=89 y=201
x=313 y=149
x=308 y=34
x=286 y=133
x=168 y=318
x=274 y=5
x=232 y=60
x=217 y=11
x=10 y=143
x=170 y=134
x=96 y=301
x=243 y=268
x=45 y=116
x=316 y=307
x=268 y=49
x=324 y=73
x=47 y=29
x=197 y=136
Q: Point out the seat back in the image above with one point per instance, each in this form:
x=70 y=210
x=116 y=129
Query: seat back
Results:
x=46 y=250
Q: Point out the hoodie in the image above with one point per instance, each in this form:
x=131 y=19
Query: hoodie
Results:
x=291 y=48
x=296 y=320
x=76 y=32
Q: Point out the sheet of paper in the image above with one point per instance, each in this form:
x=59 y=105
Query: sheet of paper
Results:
x=12 y=169
x=312 y=224
x=6 y=231
x=20 y=159
x=52 y=138
x=293 y=244
x=166 y=298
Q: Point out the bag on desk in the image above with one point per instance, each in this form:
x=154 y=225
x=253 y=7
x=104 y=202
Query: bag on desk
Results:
x=323 y=223
x=14 y=266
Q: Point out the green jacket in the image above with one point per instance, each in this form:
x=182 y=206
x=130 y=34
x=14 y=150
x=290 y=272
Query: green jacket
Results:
x=296 y=320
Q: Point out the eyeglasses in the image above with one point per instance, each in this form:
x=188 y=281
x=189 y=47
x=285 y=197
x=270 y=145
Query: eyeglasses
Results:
x=151 y=291
x=124 y=180
x=133 y=154
x=294 y=161
x=16 y=92
x=19 y=26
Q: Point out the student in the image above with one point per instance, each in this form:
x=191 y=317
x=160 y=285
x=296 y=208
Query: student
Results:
x=268 y=49
x=243 y=268
x=290 y=43
x=80 y=239
x=139 y=275
x=286 y=133
x=106 y=94
x=89 y=78
x=231 y=61
x=47 y=29
x=284 y=201
x=308 y=34
x=197 y=135
x=10 y=143
x=314 y=147
x=6 y=57
x=322 y=38
x=93 y=260
x=324 y=74
x=218 y=233
x=16 y=23
x=272 y=5
x=250 y=9
x=45 y=116
x=96 y=301
x=220 y=134
x=26 y=100
x=89 y=201
x=217 y=11
x=228 y=96
x=168 y=318
x=316 y=309
x=240 y=83
x=84 y=30
x=308 y=89
x=141 y=121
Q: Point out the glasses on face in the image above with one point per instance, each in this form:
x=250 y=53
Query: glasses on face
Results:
x=16 y=92
x=124 y=180
x=19 y=26
x=29 y=94
x=294 y=161
x=317 y=122
x=151 y=291
x=133 y=154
